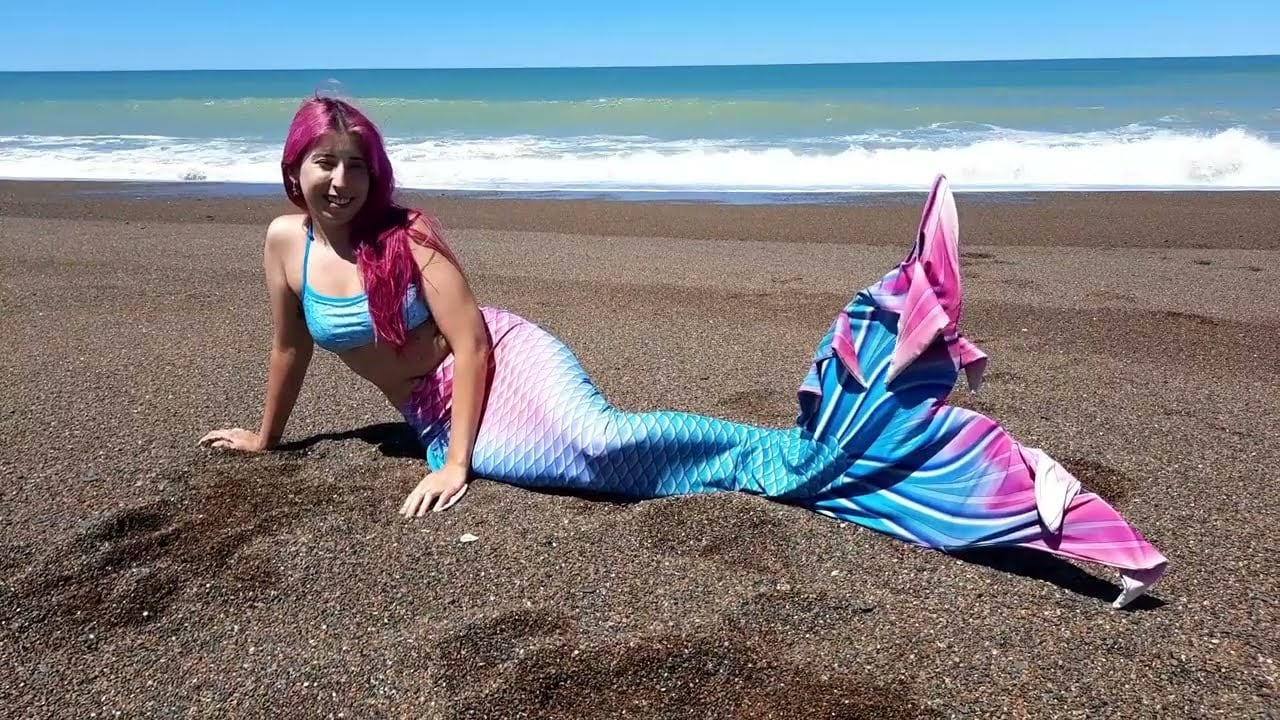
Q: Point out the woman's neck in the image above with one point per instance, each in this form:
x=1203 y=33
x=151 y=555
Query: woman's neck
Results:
x=336 y=236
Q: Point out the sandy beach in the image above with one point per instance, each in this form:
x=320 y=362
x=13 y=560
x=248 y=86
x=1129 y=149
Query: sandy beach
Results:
x=1133 y=336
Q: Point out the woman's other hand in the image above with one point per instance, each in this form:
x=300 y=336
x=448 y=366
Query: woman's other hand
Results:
x=437 y=491
x=233 y=439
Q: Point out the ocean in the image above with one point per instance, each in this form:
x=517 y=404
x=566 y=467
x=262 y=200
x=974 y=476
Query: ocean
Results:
x=1135 y=124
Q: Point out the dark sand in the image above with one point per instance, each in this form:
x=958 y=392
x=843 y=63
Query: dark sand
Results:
x=1134 y=337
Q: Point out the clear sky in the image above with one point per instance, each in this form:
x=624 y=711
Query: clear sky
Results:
x=180 y=34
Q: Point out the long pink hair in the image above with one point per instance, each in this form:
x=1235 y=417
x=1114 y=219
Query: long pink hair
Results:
x=382 y=230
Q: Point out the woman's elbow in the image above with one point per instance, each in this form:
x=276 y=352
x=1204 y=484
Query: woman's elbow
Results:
x=477 y=348
x=292 y=346
x=474 y=346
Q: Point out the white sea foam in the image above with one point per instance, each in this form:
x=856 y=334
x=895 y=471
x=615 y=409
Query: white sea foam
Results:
x=986 y=159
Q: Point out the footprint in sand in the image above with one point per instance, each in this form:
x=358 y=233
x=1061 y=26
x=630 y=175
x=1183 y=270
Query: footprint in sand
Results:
x=698 y=675
x=127 y=566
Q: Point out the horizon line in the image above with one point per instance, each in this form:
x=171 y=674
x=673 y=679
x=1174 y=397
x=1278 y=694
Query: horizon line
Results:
x=971 y=61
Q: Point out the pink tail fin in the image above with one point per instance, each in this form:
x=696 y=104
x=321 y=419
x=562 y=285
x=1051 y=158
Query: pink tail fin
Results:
x=934 y=296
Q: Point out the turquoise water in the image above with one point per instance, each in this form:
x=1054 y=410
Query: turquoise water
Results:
x=1153 y=123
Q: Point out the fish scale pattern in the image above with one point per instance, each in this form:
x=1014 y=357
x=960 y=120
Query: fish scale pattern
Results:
x=874 y=443
x=547 y=425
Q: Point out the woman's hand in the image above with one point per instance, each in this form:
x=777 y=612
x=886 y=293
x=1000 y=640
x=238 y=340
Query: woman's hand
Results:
x=234 y=439
x=437 y=491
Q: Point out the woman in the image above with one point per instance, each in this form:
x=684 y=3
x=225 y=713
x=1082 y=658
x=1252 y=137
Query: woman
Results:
x=492 y=394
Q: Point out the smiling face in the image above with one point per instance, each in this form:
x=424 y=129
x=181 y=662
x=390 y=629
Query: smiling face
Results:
x=334 y=177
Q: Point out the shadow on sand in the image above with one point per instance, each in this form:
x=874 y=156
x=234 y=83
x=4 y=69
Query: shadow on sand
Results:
x=398 y=440
x=392 y=439
x=1041 y=566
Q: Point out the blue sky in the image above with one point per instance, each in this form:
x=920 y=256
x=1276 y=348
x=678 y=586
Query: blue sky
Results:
x=179 y=34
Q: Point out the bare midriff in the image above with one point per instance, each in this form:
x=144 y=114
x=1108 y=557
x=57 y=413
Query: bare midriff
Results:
x=398 y=373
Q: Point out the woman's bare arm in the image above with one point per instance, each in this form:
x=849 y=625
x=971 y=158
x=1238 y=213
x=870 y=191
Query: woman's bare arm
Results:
x=291 y=343
x=457 y=315
x=291 y=348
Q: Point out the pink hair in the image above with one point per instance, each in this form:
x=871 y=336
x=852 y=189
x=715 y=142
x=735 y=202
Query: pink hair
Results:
x=382 y=230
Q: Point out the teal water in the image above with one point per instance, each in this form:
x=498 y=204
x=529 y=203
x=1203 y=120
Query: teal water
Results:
x=1145 y=123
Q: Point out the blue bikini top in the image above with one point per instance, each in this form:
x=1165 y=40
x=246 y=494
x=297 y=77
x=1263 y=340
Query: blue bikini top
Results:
x=343 y=323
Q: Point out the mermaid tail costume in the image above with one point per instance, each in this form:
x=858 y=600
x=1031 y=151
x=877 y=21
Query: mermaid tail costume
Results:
x=874 y=442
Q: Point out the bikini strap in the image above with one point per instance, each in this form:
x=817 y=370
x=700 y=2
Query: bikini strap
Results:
x=306 y=254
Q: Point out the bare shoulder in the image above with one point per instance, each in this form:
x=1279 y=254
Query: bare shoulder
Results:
x=284 y=232
x=425 y=226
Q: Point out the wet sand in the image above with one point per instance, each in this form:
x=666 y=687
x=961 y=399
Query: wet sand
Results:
x=1133 y=336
